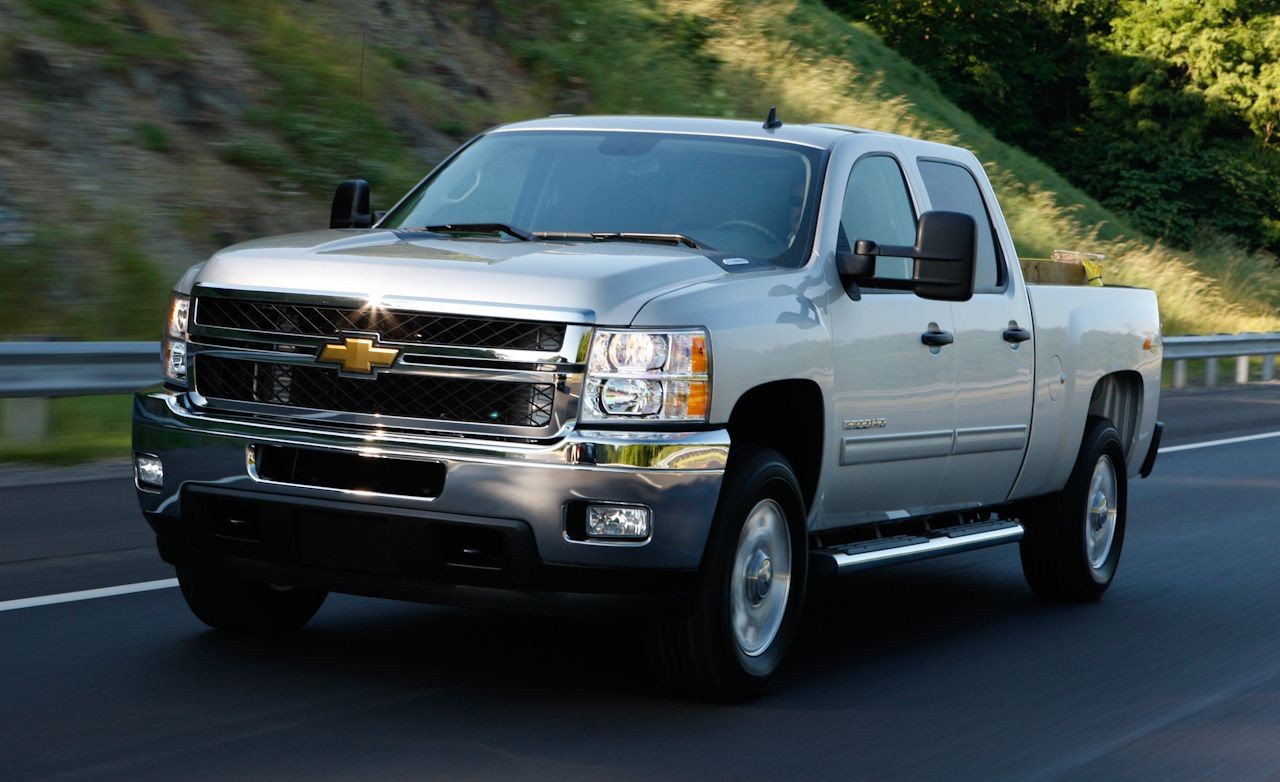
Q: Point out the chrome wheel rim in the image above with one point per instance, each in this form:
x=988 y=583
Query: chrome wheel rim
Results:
x=1100 y=515
x=761 y=578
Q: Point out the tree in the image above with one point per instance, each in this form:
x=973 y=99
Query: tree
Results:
x=1226 y=52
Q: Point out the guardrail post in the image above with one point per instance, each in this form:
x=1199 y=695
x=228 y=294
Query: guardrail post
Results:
x=1242 y=369
x=1268 y=367
x=1180 y=373
x=1211 y=372
x=26 y=419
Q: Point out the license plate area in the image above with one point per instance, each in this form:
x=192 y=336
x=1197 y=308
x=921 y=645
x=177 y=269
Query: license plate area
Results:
x=347 y=537
x=346 y=471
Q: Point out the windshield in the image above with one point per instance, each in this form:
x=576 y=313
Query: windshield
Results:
x=755 y=199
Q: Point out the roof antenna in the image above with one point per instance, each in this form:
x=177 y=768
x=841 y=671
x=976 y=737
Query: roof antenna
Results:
x=359 y=105
x=350 y=207
x=772 y=121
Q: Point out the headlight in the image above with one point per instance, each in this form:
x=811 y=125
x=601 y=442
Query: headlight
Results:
x=175 y=339
x=657 y=375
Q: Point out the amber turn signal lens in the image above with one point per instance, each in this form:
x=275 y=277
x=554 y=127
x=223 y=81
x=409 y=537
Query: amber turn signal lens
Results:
x=698 y=359
x=698 y=399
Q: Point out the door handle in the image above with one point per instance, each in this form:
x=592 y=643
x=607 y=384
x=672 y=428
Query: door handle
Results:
x=1016 y=334
x=937 y=338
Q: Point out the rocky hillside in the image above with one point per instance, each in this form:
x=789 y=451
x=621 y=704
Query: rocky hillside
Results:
x=137 y=137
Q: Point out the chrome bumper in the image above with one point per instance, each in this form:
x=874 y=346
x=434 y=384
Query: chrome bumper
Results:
x=676 y=474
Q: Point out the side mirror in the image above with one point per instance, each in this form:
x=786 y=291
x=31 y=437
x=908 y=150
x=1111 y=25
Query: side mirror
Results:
x=351 y=205
x=944 y=252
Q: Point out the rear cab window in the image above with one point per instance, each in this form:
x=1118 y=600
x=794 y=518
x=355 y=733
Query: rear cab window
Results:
x=952 y=188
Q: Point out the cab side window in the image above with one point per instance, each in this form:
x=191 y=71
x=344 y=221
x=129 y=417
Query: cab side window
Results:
x=878 y=208
x=952 y=188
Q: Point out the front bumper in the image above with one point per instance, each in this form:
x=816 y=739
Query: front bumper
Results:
x=500 y=486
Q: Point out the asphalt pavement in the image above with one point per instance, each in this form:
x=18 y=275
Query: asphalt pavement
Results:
x=947 y=669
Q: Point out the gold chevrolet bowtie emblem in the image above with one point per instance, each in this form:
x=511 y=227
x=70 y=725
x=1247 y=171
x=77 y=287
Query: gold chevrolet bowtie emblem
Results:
x=358 y=355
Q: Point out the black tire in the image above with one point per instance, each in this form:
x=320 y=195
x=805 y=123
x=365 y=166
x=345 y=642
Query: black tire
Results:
x=1065 y=553
x=700 y=650
x=251 y=607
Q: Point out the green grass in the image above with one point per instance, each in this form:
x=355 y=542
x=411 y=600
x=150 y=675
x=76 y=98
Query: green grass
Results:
x=80 y=429
x=624 y=57
x=738 y=57
x=1197 y=372
x=151 y=136
x=88 y=280
x=701 y=57
x=823 y=67
x=313 y=102
x=120 y=29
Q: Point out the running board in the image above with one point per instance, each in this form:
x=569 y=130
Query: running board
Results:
x=906 y=548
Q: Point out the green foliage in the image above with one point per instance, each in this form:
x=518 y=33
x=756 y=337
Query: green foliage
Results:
x=24 y=288
x=117 y=28
x=822 y=69
x=130 y=289
x=151 y=136
x=313 y=104
x=1226 y=52
x=453 y=127
x=397 y=59
x=259 y=155
x=90 y=281
x=710 y=57
x=605 y=56
x=1016 y=65
x=81 y=429
x=1166 y=111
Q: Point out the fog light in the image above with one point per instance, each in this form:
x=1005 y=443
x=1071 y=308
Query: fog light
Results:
x=618 y=522
x=148 y=470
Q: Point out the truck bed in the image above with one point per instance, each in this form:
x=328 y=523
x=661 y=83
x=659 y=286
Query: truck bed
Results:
x=1083 y=335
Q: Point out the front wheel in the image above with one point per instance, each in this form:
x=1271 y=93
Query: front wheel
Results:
x=1073 y=538
x=729 y=639
x=253 y=607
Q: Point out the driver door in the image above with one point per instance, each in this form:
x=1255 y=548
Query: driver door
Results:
x=894 y=399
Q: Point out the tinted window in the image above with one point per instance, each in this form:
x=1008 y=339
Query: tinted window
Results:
x=878 y=208
x=742 y=197
x=952 y=188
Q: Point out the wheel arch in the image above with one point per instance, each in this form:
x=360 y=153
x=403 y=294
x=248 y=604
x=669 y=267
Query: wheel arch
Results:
x=787 y=416
x=1117 y=397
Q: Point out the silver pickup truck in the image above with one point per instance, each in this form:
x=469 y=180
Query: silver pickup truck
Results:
x=598 y=360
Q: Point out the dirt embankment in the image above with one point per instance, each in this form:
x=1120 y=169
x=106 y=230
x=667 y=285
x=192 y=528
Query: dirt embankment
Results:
x=157 y=133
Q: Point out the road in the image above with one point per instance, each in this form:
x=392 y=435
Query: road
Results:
x=947 y=669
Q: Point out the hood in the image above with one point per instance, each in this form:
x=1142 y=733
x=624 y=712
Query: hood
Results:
x=570 y=282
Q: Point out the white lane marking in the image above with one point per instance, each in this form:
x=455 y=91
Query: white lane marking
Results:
x=87 y=594
x=169 y=583
x=1212 y=443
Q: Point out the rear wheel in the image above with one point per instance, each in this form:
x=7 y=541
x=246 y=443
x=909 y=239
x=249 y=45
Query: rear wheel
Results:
x=1073 y=538
x=253 y=607
x=731 y=636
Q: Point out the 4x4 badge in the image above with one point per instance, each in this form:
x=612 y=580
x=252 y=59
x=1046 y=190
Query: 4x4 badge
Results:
x=358 y=355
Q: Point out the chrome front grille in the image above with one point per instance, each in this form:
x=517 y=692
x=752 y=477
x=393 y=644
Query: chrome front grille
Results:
x=400 y=395
x=257 y=354
x=413 y=328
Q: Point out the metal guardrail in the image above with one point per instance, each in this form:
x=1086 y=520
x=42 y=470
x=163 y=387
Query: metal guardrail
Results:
x=32 y=372
x=1179 y=350
x=47 y=369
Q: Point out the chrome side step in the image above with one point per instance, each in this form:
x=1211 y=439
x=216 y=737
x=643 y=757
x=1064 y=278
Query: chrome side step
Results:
x=907 y=548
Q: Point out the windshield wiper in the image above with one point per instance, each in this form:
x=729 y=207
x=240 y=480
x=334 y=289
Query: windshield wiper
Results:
x=480 y=228
x=624 y=236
